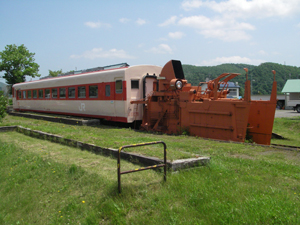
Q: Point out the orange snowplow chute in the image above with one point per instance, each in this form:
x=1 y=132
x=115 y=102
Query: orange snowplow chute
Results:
x=177 y=106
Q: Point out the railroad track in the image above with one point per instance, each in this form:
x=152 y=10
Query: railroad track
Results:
x=287 y=147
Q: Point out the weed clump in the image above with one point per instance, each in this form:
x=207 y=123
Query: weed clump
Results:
x=73 y=169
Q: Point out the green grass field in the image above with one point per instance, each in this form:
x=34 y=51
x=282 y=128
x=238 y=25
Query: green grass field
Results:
x=48 y=183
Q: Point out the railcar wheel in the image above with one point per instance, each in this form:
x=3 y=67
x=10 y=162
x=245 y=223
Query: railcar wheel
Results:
x=298 y=108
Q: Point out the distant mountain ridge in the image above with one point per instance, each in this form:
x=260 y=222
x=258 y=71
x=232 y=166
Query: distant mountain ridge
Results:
x=262 y=77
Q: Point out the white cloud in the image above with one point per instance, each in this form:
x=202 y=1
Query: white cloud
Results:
x=203 y=22
x=231 y=59
x=248 y=8
x=189 y=5
x=170 y=21
x=161 y=49
x=226 y=35
x=124 y=20
x=100 y=53
x=140 y=21
x=200 y=22
x=176 y=35
x=163 y=39
x=275 y=53
x=97 y=24
x=262 y=52
x=226 y=29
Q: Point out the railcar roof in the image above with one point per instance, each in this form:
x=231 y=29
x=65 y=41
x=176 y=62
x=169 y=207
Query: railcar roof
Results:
x=82 y=73
x=60 y=77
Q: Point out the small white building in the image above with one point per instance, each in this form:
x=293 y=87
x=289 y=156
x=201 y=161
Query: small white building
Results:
x=292 y=94
x=4 y=87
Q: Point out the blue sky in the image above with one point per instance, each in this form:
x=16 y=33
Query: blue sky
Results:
x=72 y=35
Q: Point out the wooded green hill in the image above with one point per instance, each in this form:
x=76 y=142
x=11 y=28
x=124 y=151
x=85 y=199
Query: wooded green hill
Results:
x=262 y=76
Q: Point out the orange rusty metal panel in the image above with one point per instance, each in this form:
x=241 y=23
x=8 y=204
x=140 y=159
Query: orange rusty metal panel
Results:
x=261 y=117
x=261 y=121
x=229 y=123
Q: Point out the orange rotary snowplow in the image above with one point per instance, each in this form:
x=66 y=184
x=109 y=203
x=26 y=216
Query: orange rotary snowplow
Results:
x=175 y=106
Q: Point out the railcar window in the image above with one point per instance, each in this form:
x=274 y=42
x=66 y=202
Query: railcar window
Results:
x=135 y=84
x=119 y=86
x=81 y=92
x=28 y=94
x=71 y=92
x=62 y=92
x=24 y=94
x=34 y=94
x=54 y=92
x=19 y=94
x=41 y=93
x=107 y=90
x=47 y=93
x=93 y=91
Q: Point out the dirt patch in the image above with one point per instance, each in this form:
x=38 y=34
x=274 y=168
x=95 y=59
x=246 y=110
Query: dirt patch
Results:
x=242 y=156
x=94 y=163
x=292 y=156
x=267 y=152
x=54 y=153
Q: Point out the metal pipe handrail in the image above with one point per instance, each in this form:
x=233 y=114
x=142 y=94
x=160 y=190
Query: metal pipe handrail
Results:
x=142 y=168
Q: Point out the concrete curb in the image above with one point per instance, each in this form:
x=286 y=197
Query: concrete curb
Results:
x=134 y=158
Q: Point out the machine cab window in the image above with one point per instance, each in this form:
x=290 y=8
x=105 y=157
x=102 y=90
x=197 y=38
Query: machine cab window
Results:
x=135 y=84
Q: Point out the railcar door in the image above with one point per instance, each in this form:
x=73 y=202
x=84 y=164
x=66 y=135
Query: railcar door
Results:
x=119 y=100
x=149 y=84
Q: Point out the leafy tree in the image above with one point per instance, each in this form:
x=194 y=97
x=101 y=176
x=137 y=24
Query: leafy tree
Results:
x=54 y=73
x=3 y=103
x=17 y=62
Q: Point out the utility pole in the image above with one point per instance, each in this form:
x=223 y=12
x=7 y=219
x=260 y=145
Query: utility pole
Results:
x=251 y=84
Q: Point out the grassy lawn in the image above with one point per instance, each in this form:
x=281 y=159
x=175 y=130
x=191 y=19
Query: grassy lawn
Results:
x=47 y=183
x=288 y=128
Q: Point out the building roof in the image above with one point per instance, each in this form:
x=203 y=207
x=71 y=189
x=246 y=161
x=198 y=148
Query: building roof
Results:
x=291 y=86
